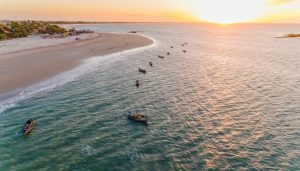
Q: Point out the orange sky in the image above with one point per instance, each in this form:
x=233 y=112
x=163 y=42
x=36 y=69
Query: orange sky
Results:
x=217 y=11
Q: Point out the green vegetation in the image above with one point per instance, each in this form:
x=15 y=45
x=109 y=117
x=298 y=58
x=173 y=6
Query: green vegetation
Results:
x=17 y=29
x=4 y=30
x=53 y=29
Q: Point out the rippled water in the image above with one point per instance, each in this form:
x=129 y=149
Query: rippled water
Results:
x=231 y=102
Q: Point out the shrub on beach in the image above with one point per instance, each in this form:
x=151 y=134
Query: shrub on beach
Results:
x=22 y=28
x=54 y=29
x=3 y=36
x=4 y=30
x=17 y=29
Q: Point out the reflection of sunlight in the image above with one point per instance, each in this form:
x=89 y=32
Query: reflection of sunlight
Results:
x=229 y=11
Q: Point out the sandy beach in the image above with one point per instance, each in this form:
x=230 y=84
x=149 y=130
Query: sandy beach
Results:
x=23 y=68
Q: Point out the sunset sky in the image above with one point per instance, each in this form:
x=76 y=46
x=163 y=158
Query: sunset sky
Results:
x=216 y=11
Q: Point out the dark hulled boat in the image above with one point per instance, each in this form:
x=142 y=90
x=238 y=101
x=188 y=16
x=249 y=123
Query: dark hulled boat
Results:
x=142 y=71
x=27 y=128
x=137 y=117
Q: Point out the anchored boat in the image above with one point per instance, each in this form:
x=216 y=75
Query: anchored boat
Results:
x=28 y=127
x=137 y=117
x=142 y=71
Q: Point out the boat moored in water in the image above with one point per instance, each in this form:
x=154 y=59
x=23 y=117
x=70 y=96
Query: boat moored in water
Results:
x=27 y=128
x=137 y=117
x=142 y=71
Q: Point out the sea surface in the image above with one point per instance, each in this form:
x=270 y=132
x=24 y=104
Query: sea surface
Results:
x=232 y=101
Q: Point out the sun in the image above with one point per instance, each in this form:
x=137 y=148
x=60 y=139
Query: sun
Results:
x=227 y=11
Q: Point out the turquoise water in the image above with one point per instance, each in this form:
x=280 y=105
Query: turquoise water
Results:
x=231 y=102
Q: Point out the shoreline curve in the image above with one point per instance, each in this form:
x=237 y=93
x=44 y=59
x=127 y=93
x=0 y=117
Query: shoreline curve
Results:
x=24 y=68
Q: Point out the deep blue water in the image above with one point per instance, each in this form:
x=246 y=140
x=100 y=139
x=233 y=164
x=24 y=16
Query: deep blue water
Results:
x=231 y=102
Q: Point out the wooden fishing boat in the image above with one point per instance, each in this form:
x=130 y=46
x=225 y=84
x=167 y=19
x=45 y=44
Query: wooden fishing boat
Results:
x=142 y=71
x=27 y=128
x=137 y=117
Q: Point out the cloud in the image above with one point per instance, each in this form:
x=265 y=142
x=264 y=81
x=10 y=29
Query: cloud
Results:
x=280 y=2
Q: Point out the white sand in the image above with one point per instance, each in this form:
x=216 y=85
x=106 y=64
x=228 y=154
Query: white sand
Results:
x=22 y=67
x=32 y=42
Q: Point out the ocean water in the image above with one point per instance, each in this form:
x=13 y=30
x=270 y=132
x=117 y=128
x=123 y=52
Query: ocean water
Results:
x=232 y=101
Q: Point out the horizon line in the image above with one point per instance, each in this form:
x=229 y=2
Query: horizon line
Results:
x=103 y=22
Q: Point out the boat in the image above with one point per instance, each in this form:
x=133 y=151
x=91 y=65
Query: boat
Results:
x=142 y=70
x=137 y=83
x=28 y=127
x=150 y=63
x=137 y=117
x=134 y=31
x=160 y=56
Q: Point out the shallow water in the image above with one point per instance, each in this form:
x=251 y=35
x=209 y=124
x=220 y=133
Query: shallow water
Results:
x=231 y=102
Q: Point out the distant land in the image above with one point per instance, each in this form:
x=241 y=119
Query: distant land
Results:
x=18 y=29
x=291 y=35
x=68 y=22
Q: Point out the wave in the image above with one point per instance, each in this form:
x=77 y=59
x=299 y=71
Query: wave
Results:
x=13 y=98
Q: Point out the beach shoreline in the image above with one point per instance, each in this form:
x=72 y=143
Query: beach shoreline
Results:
x=23 y=68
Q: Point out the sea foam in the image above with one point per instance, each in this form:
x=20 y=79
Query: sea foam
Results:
x=11 y=99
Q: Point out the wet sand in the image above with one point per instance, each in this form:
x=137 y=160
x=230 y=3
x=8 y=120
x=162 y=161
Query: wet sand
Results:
x=23 y=68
